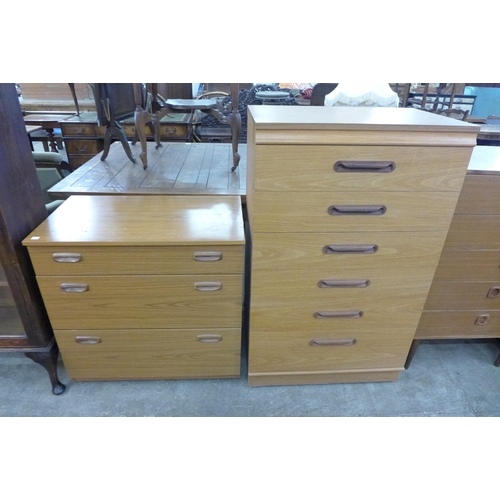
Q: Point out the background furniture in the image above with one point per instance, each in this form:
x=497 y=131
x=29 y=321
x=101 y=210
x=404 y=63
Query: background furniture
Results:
x=161 y=107
x=464 y=299
x=176 y=168
x=319 y=91
x=48 y=121
x=148 y=293
x=348 y=211
x=24 y=325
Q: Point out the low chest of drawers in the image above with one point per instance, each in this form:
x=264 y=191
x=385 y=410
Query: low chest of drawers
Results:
x=464 y=299
x=348 y=210
x=143 y=287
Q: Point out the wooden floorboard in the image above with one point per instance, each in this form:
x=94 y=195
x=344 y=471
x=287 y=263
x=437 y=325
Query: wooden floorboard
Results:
x=174 y=168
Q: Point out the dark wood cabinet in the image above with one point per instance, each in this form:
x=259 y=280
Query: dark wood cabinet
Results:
x=24 y=324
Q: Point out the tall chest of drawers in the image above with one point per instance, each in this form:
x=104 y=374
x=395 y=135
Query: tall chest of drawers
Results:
x=464 y=299
x=349 y=210
x=143 y=287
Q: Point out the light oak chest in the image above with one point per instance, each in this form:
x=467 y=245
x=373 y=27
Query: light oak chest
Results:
x=349 y=210
x=143 y=287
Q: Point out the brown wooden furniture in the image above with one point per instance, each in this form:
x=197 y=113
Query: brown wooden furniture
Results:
x=48 y=121
x=176 y=168
x=464 y=299
x=24 y=325
x=161 y=108
x=153 y=291
x=348 y=211
x=319 y=91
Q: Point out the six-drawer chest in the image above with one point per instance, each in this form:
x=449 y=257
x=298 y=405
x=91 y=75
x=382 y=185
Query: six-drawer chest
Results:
x=348 y=210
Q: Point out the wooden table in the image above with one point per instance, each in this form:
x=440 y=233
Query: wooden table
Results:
x=175 y=168
x=47 y=121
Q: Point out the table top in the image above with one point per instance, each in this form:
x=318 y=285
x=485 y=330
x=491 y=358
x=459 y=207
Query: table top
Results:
x=489 y=131
x=33 y=128
x=142 y=221
x=45 y=119
x=175 y=168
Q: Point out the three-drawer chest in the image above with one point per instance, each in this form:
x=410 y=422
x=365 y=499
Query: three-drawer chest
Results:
x=143 y=287
x=348 y=210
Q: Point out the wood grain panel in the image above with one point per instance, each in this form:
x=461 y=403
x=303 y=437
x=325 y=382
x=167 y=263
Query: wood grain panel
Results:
x=291 y=351
x=456 y=265
x=479 y=195
x=458 y=324
x=311 y=168
x=308 y=211
x=143 y=302
x=150 y=354
x=138 y=260
x=474 y=232
x=396 y=252
x=462 y=295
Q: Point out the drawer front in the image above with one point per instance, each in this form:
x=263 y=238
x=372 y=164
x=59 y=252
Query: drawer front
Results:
x=353 y=211
x=78 y=129
x=458 y=324
x=367 y=168
x=321 y=311
x=61 y=261
x=150 y=354
x=82 y=147
x=380 y=253
x=95 y=302
x=474 y=232
x=479 y=195
x=456 y=265
x=463 y=295
x=76 y=161
x=302 y=351
x=166 y=131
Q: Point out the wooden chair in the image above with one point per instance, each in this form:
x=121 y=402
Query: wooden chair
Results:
x=161 y=107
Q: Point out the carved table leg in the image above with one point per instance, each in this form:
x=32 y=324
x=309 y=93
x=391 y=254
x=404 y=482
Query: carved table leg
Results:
x=52 y=140
x=48 y=359
x=141 y=117
x=234 y=121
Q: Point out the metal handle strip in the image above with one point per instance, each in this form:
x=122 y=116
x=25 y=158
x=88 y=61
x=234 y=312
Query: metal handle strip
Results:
x=365 y=166
x=208 y=286
x=362 y=283
x=67 y=257
x=337 y=314
x=80 y=339
x=332 y=342
x=207 y=256
x=357 y=209
x=332 y=249
x=209 y=338
x=74 y=287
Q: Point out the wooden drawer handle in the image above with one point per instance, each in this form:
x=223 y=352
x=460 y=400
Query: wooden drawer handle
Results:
x=343 y=283
x=365 y=166
x=67 y=257
x=209 y=338
x=331 y=249
x=208 y=286
x=493 y=292
x=80 y=339
x=170 y=130
x=74 y=287
x=207 y=256
x=78 y=130
x=482 y=320
x=330 y=342
x=357 y=210
x=82 y=149
x=337 y=314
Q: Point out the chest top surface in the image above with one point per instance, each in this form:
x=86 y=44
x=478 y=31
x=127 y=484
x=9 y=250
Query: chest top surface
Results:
x=142 y=220
x=351 y=118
